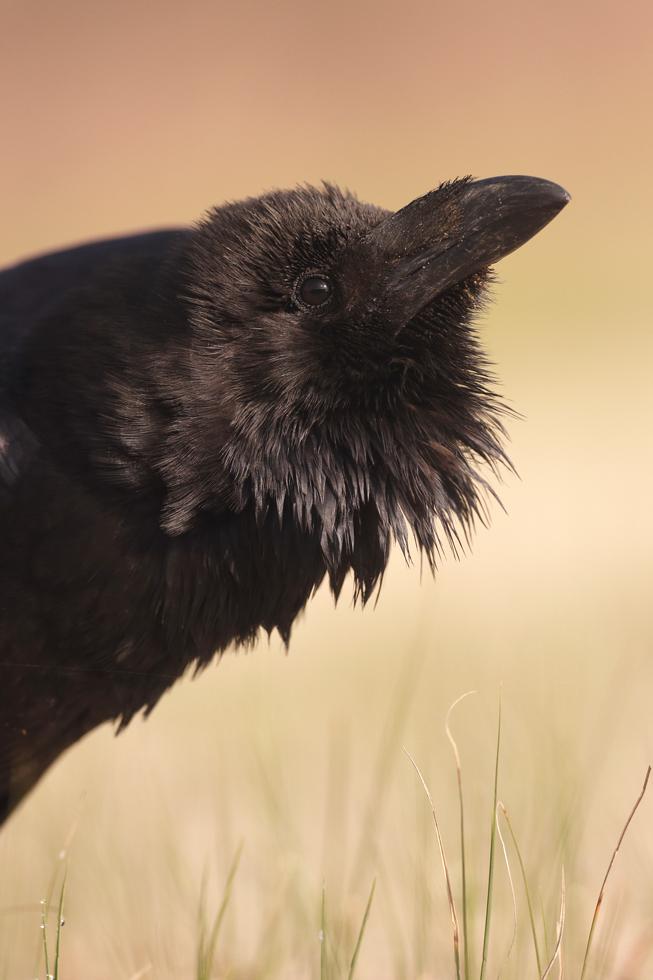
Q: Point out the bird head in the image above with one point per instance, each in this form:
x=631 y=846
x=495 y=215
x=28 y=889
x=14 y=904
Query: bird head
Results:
x=337 y=380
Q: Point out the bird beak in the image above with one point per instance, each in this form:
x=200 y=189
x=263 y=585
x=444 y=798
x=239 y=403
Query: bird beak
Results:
x=457 y=230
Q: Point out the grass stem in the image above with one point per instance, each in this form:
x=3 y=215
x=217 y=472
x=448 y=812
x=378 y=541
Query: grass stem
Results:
x=490 y=880
x=461 y=810
x=60 y=922
x=206 y=953
x=511 y=883
x=529 y=902
x=44 y=931
x=557 y=952
x=445 y=866
x=361 y=932
x=599 y=901
x=323 y=936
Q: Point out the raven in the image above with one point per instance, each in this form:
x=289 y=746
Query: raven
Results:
x=198 y=426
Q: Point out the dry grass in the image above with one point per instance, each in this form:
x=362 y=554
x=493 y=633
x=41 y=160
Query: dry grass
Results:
x=300 y=758
x=330 y=948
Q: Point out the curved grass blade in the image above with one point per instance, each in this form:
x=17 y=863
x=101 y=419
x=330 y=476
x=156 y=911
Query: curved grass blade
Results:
x=461 y=808
x=559 y=932
x=529 y=903
x=512 y=889
x=490 y=879
x=445 y=866
x=599 y=901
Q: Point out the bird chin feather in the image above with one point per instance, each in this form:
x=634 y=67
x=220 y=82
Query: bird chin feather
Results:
x=364 y=490
x=351 y=483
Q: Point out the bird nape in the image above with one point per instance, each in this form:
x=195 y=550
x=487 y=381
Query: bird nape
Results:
x=198 y=426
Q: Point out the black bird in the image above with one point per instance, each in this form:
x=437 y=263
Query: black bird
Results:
x=197 y=426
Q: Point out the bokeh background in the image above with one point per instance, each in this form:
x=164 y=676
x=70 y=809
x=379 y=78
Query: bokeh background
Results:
x=133 y=115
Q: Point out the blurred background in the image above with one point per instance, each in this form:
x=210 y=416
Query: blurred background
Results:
x=134 y=115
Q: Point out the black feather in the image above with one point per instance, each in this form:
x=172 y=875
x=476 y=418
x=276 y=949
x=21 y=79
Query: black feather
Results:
x=185 y=454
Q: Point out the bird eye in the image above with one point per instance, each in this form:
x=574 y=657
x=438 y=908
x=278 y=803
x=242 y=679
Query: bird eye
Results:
x=314 y=290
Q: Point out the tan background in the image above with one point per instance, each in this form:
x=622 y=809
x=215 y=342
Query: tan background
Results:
x=132 y=115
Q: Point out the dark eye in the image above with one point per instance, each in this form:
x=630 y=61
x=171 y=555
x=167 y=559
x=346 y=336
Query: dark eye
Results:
x=314 y=290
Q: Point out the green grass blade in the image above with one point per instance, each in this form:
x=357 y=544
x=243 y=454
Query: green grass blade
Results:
x=599 y=902
x=524 y=876
x=201 y=919
x=46 y=905
x=393 y=921
x=42 y=947
x=44 y=930
x=206 y=953
x=493 y=840
x=60 y=922
x=461 y=810
x=361 y=932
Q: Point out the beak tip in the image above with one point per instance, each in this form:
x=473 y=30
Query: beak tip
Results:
x=525 y=203
x=560 y=197
x=518 y=189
